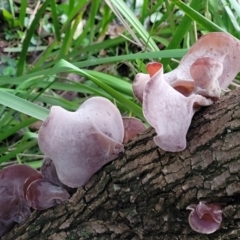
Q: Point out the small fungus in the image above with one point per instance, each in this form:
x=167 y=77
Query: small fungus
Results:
x=205 y=72
x=132 y=127
x=20 y=190
x=13 y=205
x=49 y=172
x=29 y=180
x=41 y=194
x=139 y=85
x=205 y=218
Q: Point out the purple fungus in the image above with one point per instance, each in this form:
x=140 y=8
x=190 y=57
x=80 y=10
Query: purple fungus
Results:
x=132 y=127
x=139 y=84
x=41 y=194
x=29 y=180
x=205 y=72
x=82 y=142
x=170 y=100
x=13 y=206
x=205 y=218
x=169 y=111
x=218 y=46
x=186 y=87
x=210 y=65
x=48 y=171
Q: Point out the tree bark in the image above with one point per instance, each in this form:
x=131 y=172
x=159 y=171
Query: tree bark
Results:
x=144 y=193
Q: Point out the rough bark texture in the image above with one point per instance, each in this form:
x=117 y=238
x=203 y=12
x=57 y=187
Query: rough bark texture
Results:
x=144 y=193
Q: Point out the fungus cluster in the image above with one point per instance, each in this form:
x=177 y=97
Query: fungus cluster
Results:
x=170 y=100
x=23 y=188
x=77 y=144
x=80 y=143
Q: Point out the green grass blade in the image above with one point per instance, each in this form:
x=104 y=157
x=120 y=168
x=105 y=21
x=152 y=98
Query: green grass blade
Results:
x=196 y=16
x=93 y=12
x=74 y=12
x=114 y=82
x=19 y=149
x=22 y=14
x=16 y=128
x=181 y=30
x=55 y=20
x=22 y=105
x=173 y=53
x=47 y=53
x=231 y=16
x=30 y=32
x=236 y=6
x=115 y=94
x=133 y=20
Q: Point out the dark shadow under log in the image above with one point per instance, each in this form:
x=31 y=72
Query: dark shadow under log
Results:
x=144 y=194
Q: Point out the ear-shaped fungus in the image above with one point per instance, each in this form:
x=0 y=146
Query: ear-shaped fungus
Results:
x=170 y=100
x=213 y=62
x=205 y=218
x=81 y=142
x=218 y=46
x=29 y=180
x=168 y=111
x=186 y=87
x=13 y=206
x=139 y=84
x=132 y=126
x=49 y=173
x=205 y=72
x=41 y=194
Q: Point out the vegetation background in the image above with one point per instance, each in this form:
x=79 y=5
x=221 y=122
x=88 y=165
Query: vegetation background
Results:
x=62 y=52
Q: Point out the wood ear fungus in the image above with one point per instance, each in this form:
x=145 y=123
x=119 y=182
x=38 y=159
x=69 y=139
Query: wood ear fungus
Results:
x=169 y=111
x=80 y=143
x=205 y=218
x=13 y=206
x=41 y=194
x=170 y=100
x=132 y=127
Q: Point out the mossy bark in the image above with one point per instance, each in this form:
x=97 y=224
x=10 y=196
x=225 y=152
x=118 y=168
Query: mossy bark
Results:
x=144 y=193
